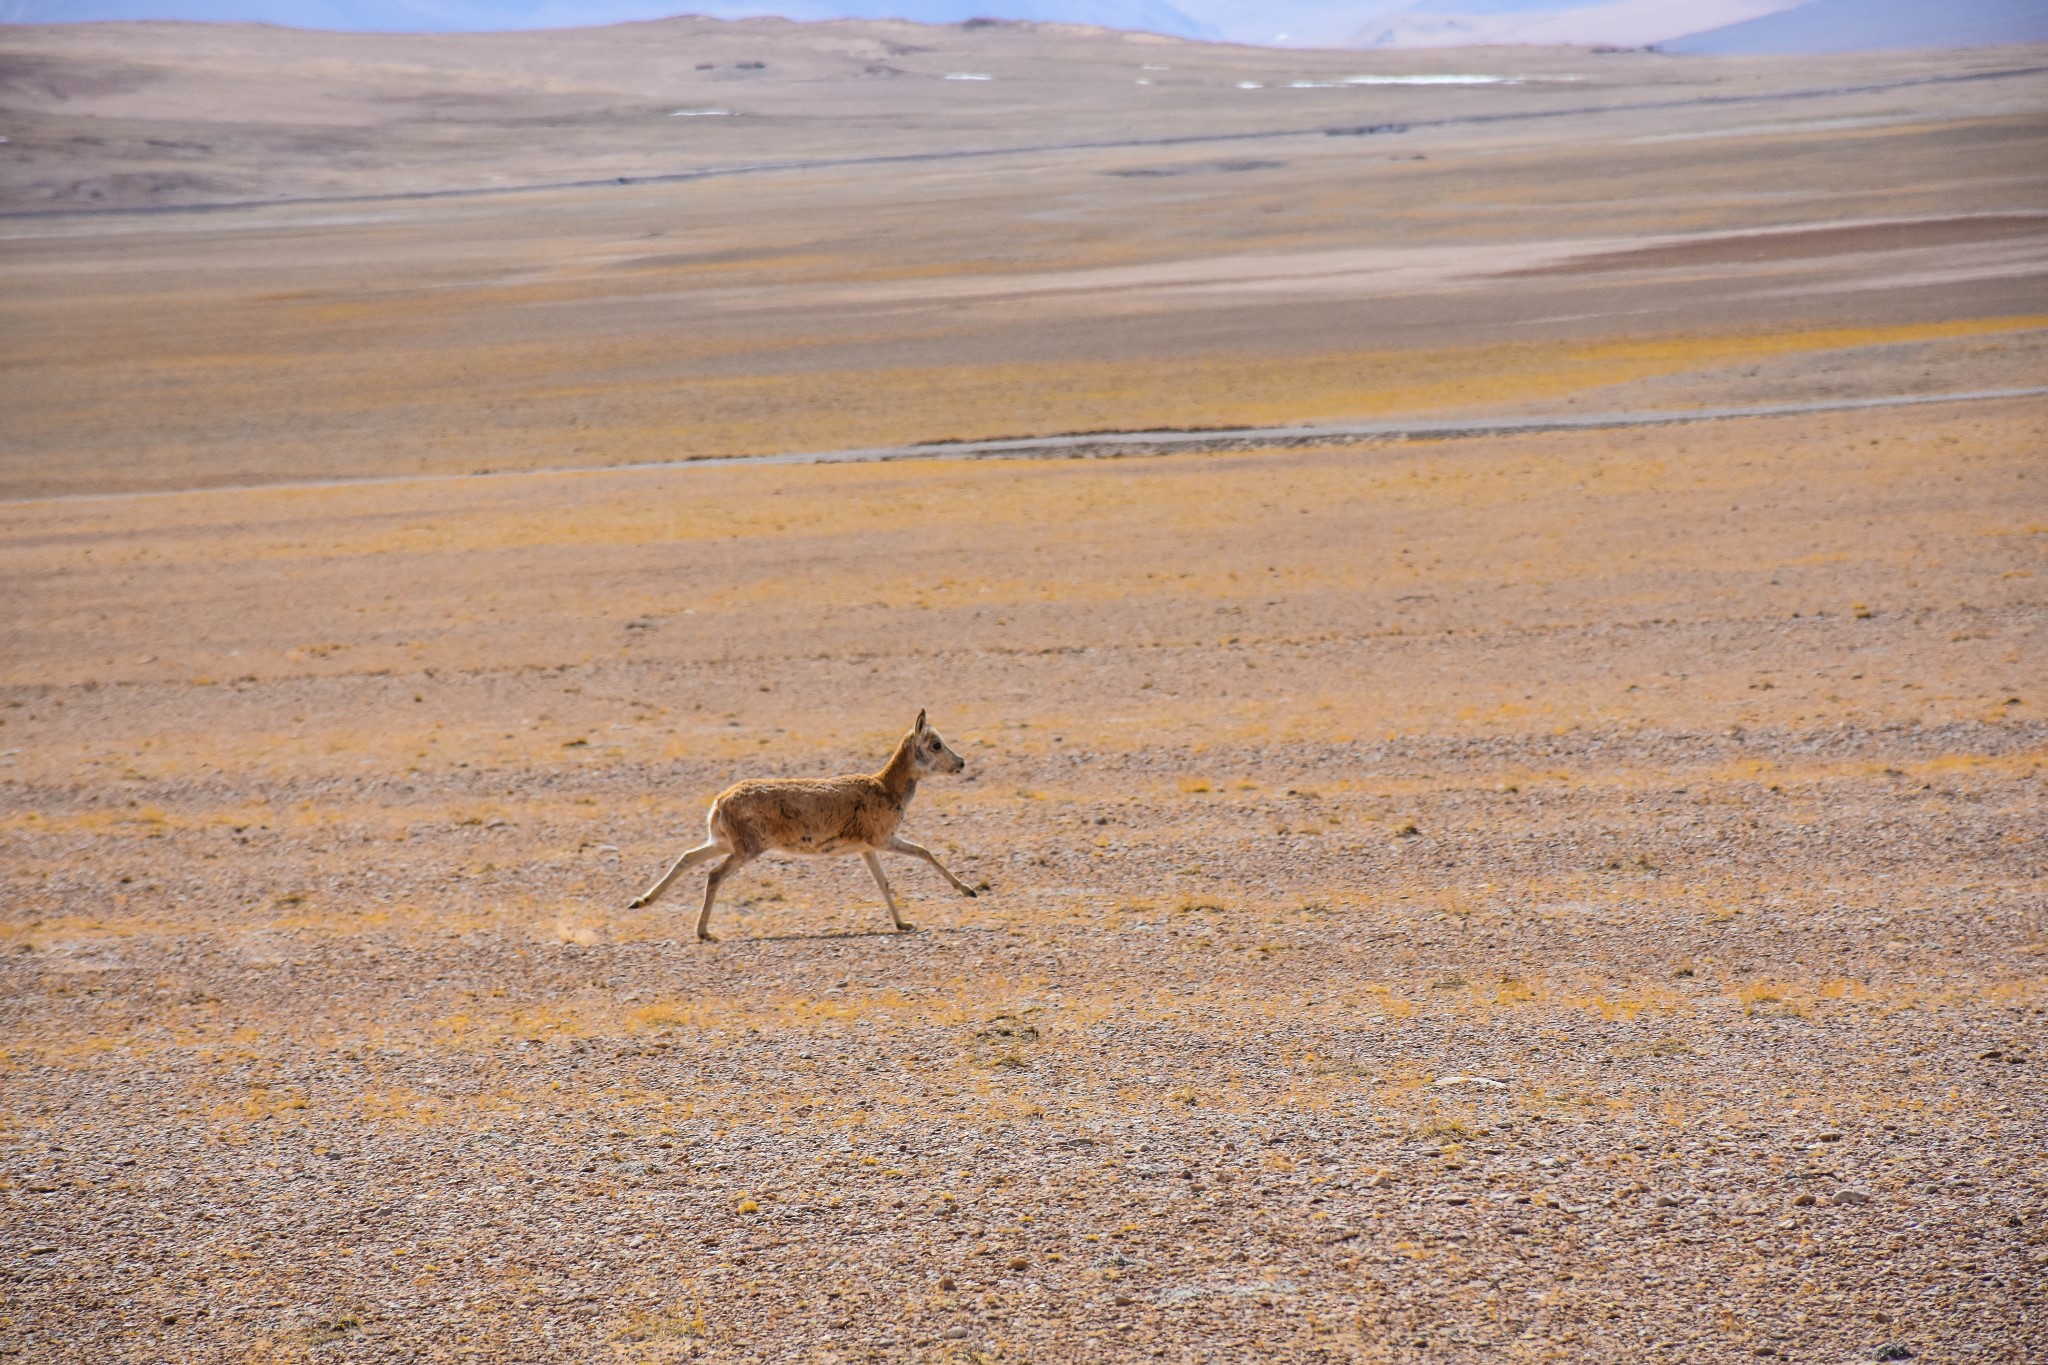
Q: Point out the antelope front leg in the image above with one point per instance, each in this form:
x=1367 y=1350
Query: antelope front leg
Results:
x=682 y=865
x=899 y=844
x=733 y=862
x=875 y=866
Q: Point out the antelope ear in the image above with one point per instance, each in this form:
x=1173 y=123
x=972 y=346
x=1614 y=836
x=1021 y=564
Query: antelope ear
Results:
x=920 y=727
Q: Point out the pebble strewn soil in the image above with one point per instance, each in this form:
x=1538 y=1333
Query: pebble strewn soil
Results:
x=1507 y=1072
x=1616 y=935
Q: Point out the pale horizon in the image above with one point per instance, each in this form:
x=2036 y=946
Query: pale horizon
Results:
x=1758 y=26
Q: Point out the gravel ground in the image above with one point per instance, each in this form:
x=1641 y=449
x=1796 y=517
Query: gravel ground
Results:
x=1477 y=902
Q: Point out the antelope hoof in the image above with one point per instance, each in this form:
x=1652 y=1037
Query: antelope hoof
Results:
x=636 y=902
x=703 y=937
x=967 y=891
x=905 y=928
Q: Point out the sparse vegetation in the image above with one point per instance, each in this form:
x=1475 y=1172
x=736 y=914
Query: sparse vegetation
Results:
x=334 y=1329
x=1414 y=919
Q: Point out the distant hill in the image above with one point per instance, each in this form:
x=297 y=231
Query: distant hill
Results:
x=1856 y=25
x=1622 y=23
x=1731 y=27
x=470 y=16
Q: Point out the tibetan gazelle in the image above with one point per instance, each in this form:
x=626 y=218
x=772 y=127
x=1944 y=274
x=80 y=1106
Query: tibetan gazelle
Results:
x=819 y=815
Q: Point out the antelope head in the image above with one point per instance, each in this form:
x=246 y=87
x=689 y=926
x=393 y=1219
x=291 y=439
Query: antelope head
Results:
x=929 y=753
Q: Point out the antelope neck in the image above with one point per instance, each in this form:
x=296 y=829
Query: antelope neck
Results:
x=899 y=778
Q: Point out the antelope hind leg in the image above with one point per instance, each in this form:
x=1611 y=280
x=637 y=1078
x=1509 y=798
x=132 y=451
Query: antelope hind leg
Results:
x=899 y=844
x=875 y=866
x=682 y=865
x=733 y=862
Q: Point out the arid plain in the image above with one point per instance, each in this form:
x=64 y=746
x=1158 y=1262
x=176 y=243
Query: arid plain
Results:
x=1573 y=895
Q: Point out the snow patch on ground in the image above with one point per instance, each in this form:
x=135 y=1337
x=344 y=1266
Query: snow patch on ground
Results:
x=1454 y=80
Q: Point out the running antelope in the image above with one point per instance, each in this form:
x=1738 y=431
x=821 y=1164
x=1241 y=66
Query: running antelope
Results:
x=819 y=815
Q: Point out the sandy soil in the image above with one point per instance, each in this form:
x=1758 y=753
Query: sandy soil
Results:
x=1562 y=897
x=1449 y=269
x=138 y=114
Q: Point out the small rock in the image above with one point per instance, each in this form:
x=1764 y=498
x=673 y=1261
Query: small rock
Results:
x=1019 y=1263
x=955 y=1334
x=1893 y=1350
x=1846 y=1197
x=1803 y=1200
x=1477 y=1082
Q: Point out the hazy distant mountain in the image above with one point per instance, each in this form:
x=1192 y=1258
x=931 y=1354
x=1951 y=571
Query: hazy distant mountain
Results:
x=449 y=16
x=1621 y=23
x=1852 y=25
x=1708 y=26
x=1296 y=23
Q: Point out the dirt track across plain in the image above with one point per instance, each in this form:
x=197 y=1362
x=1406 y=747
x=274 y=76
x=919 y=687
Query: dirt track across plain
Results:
x=1041 y=149
x=1125 y=444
